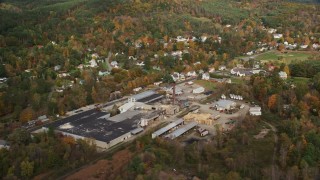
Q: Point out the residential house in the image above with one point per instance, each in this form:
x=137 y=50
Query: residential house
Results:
x=211 y=70
x=197 y=63
x=140 y=64
x=191 y=74
x=114 y=64
x=63 y=75
x=3 y=80
x=137 y=89
x=4 y=144
x=157 y=83
x=222 y=67
x=277 y=36
x=94 y=56
x=303 y=46
x=241 y=72
x=57 y=67
x=80 y=66
x=205 y=76
x=93 y=63
x=175 y=76
x=203 y=38
x=103 y=73
x=223 y=96
x=283 y=75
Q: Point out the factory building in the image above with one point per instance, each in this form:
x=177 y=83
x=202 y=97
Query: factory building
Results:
x=181 y=130
x=146 y=97
x=103 y=130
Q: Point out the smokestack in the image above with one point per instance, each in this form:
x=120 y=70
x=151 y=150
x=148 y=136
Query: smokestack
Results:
x=174 y=93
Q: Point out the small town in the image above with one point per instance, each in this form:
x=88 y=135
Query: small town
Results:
x=159 y=89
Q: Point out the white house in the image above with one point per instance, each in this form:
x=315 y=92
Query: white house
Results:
x=203 y=38
x=137 y=89
x=277 y=36
x=175 y=76
x=63 y=75
x=114 y=64
x=93 y=63
x=211 y=70
x=57 y=67
x=283 y=75
x=103 y=73
x=303 y=46
x=198 y=90
x=140 y=64
x=205 y=76
x=4 y=144
x=223 y=96
x=255 y=111
x=191 y=74
x=271 y=30
x=94 y=55
x=157 y=83
x=222 y=67
x=196 y=63
x=249 y=53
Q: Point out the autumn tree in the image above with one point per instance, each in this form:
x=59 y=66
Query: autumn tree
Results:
x=272 y=102
x=27 y=168
x=26 y=115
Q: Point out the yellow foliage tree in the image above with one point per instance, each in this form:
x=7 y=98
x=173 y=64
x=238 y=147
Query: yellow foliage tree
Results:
x=287 y=70
x=26 y=115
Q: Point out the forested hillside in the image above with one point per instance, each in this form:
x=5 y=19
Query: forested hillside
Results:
x=58 y=55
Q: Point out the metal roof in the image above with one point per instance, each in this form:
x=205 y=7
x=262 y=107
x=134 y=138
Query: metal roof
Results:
x=143 y=95
x=182 y=130
x=224 y=103
x=167 y=128
x=136 y=131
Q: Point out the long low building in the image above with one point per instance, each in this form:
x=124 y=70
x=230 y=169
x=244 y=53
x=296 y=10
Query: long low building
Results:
x=181 y=130
x=167 y=128
x=105 y=131
x=146 y=97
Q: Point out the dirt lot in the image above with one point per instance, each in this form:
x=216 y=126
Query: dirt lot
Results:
x=187 y=92
x=104 y=169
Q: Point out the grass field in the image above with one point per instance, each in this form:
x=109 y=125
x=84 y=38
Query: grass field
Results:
x=208 y=85
x=279 y=57
x=298 y=80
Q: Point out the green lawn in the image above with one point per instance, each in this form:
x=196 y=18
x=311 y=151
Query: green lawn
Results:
x=237 y=80
x=208 y=85
x=279 y=57
x=296 y=80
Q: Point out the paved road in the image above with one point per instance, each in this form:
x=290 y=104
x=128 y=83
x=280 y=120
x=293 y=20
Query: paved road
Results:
x=108 y=59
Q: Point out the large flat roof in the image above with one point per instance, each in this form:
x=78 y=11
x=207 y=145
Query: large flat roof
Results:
x=96 y=124
x=151 y=98
x=143 y=95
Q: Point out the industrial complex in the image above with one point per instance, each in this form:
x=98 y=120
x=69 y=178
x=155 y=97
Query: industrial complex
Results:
x=179 y=110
